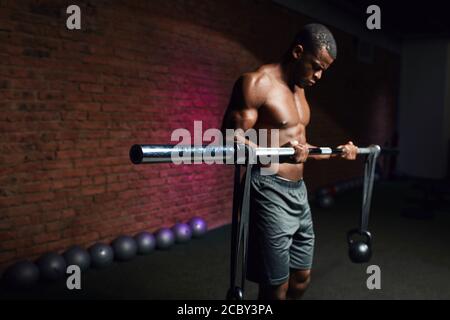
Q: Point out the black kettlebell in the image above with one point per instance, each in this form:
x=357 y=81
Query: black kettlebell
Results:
x=359 y=251
x=235 y=293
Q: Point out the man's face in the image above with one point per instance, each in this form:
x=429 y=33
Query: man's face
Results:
x=309 y=67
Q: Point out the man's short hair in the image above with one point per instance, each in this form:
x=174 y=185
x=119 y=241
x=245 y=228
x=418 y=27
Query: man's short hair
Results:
x=314 y=37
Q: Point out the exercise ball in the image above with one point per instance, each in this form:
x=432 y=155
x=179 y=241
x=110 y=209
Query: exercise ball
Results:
x=78 y=256
x=102 y=255
x=52 y=266
x=198 y=227
x=124 y=247
x=22 y=274
x=164 y=238
x=145 y=242
x=353 y=184
x=182 y=232
x=322 y=191
x=325 y=201
x=339 y=187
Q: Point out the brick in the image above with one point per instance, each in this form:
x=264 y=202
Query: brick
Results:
x=73 y=115
x=60 y=164
x=87 y=106
x=59 y=245
x=68 y=213
x=115 y=187
x=69 y=154
x=105 y=197
x=66 y=173
x=87 y=239
x=46 y=237
x=110 y=161
x=31 y=219
x=5 y=225
x=55 y=226
x=78 y=97
x=92 y=190
x=11 y=201
x=99 y=180
x=32 y=252
x=38 y=197
x=13 y=244
x=98 y=170
x=82 y=163
x=50 y=215
x=66 y=183
x=83 y=77
x=50 y=95
x=29 y=231
x=92 y=88
x=6 y=236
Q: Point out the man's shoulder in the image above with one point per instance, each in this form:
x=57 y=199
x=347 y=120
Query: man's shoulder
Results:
x=253 y=87
x=258 y=80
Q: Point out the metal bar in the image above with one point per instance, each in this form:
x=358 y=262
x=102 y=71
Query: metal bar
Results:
x=158 y=153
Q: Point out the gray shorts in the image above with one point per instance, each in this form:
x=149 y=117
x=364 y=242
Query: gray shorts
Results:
x=281 y=235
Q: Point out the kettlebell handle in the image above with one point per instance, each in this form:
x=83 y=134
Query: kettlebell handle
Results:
x=365 y=234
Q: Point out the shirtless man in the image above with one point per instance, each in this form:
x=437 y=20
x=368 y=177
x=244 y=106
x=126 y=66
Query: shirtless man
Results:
x=281 y=239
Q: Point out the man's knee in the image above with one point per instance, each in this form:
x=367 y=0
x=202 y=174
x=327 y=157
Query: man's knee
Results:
x=298 y=283
x=279 y=292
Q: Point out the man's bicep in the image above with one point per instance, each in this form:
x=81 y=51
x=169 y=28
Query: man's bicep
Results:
x=244 y=118
x=245 y=102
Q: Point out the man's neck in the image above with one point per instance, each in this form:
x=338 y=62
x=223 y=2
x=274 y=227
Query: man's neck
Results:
x=287 y=74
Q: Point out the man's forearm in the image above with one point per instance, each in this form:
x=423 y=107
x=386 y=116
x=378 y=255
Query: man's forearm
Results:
x=233 y=133
x=240 y=138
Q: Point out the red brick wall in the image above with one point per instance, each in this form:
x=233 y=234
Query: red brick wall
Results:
x=73 y=102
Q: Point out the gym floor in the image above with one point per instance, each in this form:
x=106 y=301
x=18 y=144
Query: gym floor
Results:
x=412 y=253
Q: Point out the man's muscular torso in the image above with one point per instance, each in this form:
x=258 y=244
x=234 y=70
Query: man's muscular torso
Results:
x=263 y=100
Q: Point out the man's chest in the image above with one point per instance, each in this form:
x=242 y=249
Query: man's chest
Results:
x=284 y=109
